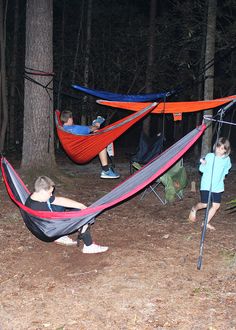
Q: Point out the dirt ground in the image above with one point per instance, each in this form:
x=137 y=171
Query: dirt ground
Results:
x=147 y=280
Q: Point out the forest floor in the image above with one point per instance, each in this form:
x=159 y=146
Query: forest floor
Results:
x=147 y=280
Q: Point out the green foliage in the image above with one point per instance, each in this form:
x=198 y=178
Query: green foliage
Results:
x=229 y=257
x=232 y=206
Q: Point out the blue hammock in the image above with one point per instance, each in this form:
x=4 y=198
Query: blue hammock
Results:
x=124 y=97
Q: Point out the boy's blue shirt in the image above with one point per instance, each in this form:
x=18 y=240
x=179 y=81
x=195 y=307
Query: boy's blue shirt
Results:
x=77 y=129
x=221 y=169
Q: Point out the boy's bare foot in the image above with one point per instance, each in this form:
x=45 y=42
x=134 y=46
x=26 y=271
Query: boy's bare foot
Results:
x=192 y=215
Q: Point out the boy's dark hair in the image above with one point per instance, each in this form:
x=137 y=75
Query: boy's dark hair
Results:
x=65 y=116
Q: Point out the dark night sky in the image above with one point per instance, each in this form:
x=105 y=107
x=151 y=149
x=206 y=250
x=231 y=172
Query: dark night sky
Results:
x=120 y=43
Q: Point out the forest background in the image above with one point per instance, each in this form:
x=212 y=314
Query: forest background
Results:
x=124 y=47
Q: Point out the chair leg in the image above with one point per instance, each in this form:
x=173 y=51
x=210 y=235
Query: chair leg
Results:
x=150 y=189
x=163 y=201
x=179 y=195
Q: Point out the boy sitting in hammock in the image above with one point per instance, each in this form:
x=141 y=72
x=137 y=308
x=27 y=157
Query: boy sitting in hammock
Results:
x=43 y=199
x=68 y=124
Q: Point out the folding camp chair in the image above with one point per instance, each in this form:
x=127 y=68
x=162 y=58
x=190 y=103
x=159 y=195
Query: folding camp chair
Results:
x=148 y=148
x=154 y=188
x=163 y=188
x=170 y=185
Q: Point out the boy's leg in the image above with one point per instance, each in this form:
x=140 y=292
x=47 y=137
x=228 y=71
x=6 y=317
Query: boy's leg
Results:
x=64 y=240
x=89 y=246
x=85 y=235
x=107 y=173
x=103 y=157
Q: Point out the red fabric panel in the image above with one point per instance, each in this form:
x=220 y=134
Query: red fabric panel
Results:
x=82 y=148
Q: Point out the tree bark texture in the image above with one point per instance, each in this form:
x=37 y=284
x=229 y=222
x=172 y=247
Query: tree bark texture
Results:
x=3 y=78
x=87 y=60
x=12 y=134
x=38 y=137
x=209 y=73
x=150 y=61
x=62 y=57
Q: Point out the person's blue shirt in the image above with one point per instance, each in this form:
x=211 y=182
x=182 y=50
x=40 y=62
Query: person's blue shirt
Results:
x=216 y=174
x=77 y=129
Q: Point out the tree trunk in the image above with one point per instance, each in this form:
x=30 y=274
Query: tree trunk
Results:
x=3 y=84
x=151 y=52
x=62 y=56
x=200 y=87
x=87 y=61
x=38 y=136
x=75 y=69
x=13 y=75
x=209 y=73
x=78 y=42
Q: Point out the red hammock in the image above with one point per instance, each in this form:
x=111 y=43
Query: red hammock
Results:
x=83 y=148
x=177 y=108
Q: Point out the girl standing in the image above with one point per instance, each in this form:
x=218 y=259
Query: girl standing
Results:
x=214 y=167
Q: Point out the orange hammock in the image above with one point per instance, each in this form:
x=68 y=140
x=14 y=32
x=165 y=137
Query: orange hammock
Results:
x=82 y=148
x=176 y=108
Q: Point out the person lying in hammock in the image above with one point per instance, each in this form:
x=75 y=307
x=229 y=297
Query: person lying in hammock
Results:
x=43 y=199
x=68 y=124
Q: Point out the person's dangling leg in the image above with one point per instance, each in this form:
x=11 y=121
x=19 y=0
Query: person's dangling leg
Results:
x=85 y=235
x=64 y=240
x=107 y=173
x=103 y=158
x=89 y=245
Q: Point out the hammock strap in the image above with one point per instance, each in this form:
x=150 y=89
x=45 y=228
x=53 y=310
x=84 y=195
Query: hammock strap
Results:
x=220 y=121
x=163 y=118
x=32 y=72
x=29 y=72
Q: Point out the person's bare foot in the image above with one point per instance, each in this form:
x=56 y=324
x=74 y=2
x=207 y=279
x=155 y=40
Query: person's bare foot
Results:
x=210 y=227
x=192 y=215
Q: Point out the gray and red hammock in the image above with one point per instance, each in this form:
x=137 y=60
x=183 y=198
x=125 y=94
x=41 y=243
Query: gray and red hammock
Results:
x=48 y=226
x=82 y=148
